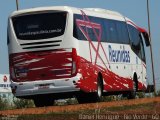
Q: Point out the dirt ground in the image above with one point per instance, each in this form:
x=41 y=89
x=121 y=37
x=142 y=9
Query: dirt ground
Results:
x=93 y=106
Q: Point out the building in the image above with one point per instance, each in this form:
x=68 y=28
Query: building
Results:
x=5 y=87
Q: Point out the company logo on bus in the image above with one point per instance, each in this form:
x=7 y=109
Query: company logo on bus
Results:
x=5 y=78
x=119 y=55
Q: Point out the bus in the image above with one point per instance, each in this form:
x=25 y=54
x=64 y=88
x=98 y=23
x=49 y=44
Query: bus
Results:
x=59 y=52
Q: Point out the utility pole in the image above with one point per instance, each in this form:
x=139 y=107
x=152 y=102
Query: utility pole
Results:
x=17 y=5
x=149 y=29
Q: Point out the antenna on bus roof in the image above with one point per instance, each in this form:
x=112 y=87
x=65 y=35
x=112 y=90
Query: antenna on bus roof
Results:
x=17 y=5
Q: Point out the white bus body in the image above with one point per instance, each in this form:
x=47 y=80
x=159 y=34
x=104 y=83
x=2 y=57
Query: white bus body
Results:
x=62 y=49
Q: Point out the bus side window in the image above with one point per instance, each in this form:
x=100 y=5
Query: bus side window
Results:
x=142 y=50
x=77 y=33
x=112 y=31
x=123 y=37
x=116 y=32
x=101 y=32
x=135 y=40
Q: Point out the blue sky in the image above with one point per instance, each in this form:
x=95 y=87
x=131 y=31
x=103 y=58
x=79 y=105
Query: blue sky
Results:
x=134 y=9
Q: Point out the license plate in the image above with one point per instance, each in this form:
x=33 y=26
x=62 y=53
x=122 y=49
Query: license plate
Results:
x=43 y=86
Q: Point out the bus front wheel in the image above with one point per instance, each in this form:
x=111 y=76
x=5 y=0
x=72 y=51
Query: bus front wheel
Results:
x=132 y=94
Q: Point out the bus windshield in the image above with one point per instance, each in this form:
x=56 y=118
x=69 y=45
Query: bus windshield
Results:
x=39 y=26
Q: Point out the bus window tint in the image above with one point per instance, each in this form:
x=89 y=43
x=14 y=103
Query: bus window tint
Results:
x=135 y=40
x=135 y=37
x=116 y=32
x=77 y=32
x=142 y=52
x=93 y=33
x=39 y=26
x=113 y=34
x=123 y=36
x=110 y=30
x=101 y=31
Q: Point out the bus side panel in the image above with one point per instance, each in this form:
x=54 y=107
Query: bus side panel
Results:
x=117 y=77
x=89 y=69
x=112 y=81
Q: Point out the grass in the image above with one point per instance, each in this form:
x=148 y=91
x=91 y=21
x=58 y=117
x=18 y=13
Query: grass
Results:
x=74 y=115
x=144 y=106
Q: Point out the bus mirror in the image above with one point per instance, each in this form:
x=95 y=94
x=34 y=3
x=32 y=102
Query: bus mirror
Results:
x=146 y=37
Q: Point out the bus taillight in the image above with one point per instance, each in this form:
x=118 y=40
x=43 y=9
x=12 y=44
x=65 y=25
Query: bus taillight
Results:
x=18 y=73
x=74 y=61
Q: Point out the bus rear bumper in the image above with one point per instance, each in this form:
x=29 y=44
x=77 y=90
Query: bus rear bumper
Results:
x=34 y=88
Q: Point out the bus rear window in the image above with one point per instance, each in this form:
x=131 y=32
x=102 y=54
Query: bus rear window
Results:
x=39 y=26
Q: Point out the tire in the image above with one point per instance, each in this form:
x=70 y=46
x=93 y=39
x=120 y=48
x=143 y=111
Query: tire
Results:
x=92 y=97
x=84 y=98
x=132 y=94
x=43 y=101
x=99 y=89
x=38 y=103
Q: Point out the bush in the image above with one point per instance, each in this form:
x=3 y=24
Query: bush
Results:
x=109 y=98
x=4 y=104
x=158 y=93
x=23 y=103
x=140 y=94
x=71 y=101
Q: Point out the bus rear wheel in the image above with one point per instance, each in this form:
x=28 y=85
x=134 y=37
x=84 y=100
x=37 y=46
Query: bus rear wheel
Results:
x=92 y=97
x=99 y=89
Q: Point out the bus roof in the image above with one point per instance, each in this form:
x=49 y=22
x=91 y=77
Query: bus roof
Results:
x=100 y=10
x=97 y=12
x=37 y=9
x=91 y=11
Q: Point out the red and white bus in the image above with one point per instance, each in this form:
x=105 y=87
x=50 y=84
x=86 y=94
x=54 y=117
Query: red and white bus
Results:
x=58 y=52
